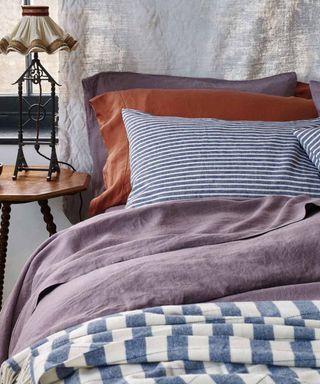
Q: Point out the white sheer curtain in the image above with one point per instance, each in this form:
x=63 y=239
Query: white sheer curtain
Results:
x=234 y=39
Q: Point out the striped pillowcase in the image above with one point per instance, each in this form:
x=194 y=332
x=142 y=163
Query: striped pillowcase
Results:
x=310 y=141
x=175 y=158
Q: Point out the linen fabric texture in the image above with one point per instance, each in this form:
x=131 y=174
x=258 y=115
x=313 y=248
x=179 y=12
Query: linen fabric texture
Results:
x=315 y=91
x=310 y=141
x=243 y=343
x=229 y=39
x=157 y=255
x=284 y=84
x=226 y=39
x=303 y=90
x=183 y=103
x=178 y=158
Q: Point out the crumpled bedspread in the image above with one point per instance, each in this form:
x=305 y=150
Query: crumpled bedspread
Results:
x=166 y=254
x=238 y=343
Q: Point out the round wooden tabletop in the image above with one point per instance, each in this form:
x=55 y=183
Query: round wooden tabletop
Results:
x=33 y=185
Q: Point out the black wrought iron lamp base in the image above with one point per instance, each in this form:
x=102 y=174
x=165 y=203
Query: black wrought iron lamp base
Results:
x=22 y=165
x=36 y=73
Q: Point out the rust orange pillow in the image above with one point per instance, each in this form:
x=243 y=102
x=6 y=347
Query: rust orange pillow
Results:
x=227 y=105
x=303 y=90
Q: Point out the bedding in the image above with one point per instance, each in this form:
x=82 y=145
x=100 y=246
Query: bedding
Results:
x=149 y=295
x=303 y=90
x=244 y=343
x=173 y=253
x=184 y=103
x=283 y=84
x=315 y=90
x=310 y=141
x=178 y=158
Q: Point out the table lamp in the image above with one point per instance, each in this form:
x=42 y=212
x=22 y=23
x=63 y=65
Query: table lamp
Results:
x=36 y=32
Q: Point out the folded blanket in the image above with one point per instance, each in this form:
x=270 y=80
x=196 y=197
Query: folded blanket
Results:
x=165 y=254
x=238 y=343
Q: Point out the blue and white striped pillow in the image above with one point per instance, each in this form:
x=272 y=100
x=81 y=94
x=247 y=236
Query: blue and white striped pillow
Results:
x=178 y=158
x=310 y=141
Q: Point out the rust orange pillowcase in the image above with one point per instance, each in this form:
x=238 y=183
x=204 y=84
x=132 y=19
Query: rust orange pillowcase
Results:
x=227 y=105
x=303 y=90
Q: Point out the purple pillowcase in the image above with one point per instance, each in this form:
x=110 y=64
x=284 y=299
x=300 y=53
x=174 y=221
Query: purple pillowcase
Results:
x=279 y=85
x=315 y=91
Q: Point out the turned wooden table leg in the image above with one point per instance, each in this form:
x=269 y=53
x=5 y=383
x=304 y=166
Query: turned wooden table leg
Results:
x=47 y=217
x=4 y=232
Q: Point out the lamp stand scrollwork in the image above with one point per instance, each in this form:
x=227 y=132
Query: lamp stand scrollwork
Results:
x=36 y=73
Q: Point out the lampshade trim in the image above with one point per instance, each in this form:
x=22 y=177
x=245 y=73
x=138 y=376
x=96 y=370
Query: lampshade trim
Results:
x=37 y=45
x=3 y=45
x=35 y=10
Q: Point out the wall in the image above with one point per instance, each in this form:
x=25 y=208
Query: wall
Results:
x=27 y=229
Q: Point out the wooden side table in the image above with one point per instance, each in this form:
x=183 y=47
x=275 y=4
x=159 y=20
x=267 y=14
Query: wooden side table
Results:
x=29 y=187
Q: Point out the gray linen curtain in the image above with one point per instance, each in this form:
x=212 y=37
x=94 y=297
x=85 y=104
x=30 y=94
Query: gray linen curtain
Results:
x=233 y=39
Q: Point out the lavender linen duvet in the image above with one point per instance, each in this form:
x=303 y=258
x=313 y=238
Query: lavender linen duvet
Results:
x=171 y=253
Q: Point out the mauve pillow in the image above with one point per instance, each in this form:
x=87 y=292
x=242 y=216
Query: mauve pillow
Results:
x=227 y=105
x=283 y=84
x=315 y=91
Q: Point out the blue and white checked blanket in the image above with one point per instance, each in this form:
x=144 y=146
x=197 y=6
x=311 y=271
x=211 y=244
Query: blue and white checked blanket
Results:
x=238 y=343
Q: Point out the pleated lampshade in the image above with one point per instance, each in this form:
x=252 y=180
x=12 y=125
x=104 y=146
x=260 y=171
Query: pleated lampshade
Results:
x=37 y=32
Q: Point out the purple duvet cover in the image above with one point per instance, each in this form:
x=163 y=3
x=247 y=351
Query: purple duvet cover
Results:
x=171 y=253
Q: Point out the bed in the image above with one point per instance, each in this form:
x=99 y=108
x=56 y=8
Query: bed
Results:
x=204 y=286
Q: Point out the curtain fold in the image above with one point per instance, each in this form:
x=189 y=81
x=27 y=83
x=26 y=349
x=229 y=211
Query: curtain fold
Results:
x=232 y=39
